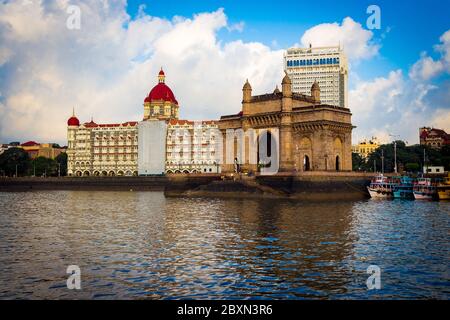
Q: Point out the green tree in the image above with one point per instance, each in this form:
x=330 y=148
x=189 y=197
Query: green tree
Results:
x=408 y=157
x=12 y=159
x=412 y=167
x=44 y=166
x=358 y=162
x=61 y=159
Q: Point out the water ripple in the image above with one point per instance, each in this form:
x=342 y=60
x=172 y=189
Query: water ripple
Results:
x=134 y=245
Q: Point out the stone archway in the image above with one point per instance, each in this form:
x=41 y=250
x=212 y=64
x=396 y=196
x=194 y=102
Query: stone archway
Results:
x=338 y=163
x=304 y=154
x=338 y=153
x=306 y=163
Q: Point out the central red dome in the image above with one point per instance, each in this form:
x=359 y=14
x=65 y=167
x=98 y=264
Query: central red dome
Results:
x=73 y=121
x=161 y=92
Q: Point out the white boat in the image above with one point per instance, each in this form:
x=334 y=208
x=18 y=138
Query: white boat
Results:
x=424 y=189
x=381 y=187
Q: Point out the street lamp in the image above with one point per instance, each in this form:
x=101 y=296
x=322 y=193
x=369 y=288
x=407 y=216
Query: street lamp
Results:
x=395 y=150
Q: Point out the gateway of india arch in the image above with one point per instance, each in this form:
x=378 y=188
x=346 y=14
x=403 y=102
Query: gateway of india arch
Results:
x=297 y=132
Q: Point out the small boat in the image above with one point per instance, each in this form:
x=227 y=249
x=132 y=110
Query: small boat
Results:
x=424 y=189
x=404 y=188
x=381 y=187
x=443 y=189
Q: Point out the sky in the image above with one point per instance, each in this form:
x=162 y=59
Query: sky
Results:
x=399 y=74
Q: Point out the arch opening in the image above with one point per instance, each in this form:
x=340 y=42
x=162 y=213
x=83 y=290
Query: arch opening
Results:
x=306 y=163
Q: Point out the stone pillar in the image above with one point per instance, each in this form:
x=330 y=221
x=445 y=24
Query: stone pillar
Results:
x=246 y=97
x=347 y=152
x=225 y=167
x=285 y=144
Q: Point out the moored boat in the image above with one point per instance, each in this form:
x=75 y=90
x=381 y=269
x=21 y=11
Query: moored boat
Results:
x=424 y=189
x=381 y=187
x=443 y=189
x=404 y=188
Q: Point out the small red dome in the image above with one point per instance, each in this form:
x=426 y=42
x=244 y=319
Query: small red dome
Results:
x=91 y=124
x=161 y=73
x=73 y=121
x=161 y=92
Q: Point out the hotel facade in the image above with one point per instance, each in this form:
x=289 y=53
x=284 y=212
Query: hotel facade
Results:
x=159 y=144
x=325 y=65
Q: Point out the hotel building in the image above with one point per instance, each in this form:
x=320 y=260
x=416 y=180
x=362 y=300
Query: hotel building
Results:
x=326 y=65
x=159 y=144
x=192 y=147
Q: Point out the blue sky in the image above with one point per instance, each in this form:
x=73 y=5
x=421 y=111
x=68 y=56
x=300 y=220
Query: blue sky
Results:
x=414 y=26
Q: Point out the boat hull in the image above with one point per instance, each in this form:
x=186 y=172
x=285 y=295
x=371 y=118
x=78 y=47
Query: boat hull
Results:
x=377 y=194
x=444 y=195
x=403 y=195
x=422 y=196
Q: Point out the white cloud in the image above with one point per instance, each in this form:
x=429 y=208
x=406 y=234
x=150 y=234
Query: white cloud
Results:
x=356 y=40
x=441 y=119
x=237 y=26
x=365 y=98
x=395 y=105
x=444 y=48
x=425 y=68
x=400 y=105
x=108 y=67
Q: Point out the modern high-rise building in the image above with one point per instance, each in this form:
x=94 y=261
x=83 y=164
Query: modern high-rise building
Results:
x=326 y=65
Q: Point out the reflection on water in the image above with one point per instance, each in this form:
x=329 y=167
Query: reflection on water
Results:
x=134 y=245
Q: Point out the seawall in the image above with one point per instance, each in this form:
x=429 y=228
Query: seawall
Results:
x=306 y=186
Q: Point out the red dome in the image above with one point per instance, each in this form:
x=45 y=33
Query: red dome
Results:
x=161 y=73
x=161 y=92
x=73 y=121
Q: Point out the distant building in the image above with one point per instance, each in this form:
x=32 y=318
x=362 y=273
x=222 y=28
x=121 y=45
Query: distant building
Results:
x=4 y=147
x=326 y=65
x=434 y=169
x=434 y=138
x=366 y=147
x=47 y=150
